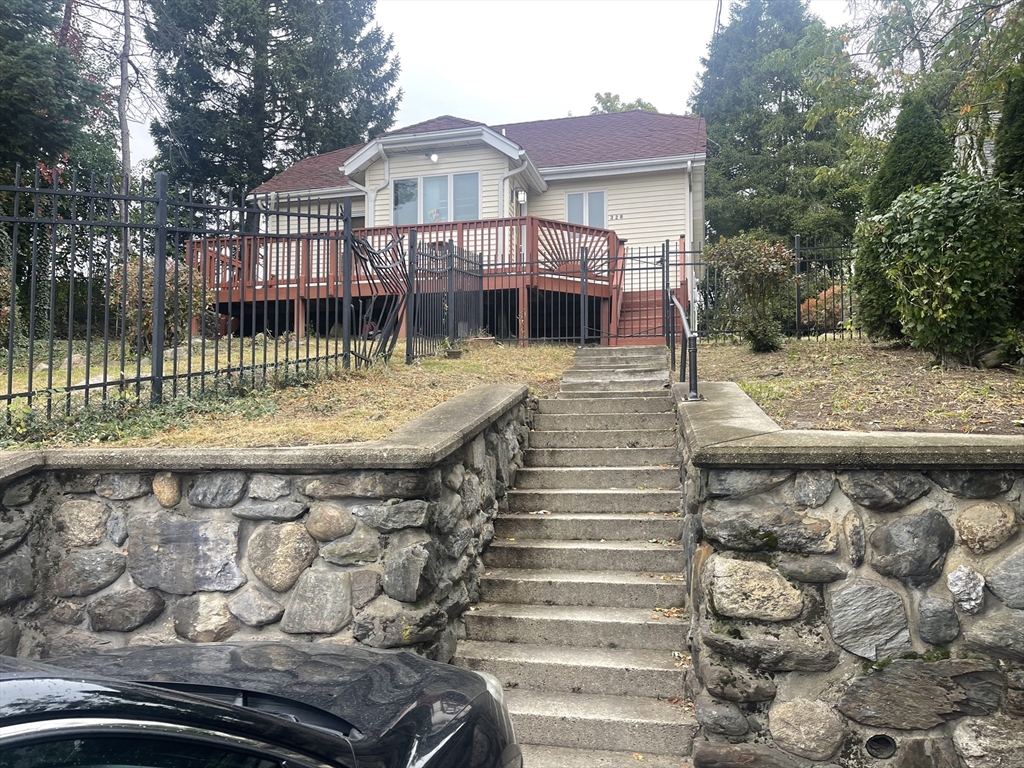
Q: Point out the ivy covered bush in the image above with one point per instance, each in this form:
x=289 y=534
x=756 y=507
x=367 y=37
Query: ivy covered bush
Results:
x=757 y=272
x=954 y=253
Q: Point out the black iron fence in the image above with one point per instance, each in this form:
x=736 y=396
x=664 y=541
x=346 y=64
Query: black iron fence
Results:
x=109 y=297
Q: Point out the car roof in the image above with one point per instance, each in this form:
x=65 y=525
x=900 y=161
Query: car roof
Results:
x=370 y=689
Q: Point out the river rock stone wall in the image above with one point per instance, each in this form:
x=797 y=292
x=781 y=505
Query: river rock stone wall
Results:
x=856 y=618
x=384 y=557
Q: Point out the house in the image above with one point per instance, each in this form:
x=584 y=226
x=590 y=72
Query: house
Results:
x=548 y=210
x=640 y=174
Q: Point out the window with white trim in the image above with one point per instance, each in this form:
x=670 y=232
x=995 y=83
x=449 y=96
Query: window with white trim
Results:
x=585 y=208
x=432 y=199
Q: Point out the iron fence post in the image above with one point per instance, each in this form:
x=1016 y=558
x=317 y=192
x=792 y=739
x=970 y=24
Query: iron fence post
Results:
x=346 y=286
x=410 y=310
x=796 y=251
x=159 y=289
x=666 y=309
x=583 y=296
x=452 y=327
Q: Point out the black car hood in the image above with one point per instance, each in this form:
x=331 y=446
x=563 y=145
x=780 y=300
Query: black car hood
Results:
x=372 y=690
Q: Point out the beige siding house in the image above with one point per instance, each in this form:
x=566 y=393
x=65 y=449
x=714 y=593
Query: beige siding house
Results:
x=639 y=174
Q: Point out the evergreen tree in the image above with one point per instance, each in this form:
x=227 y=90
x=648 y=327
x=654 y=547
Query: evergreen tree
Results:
x=49 y=103
x=918 y=153
x=769 y=149
x=1009 y=145
x=251 y=86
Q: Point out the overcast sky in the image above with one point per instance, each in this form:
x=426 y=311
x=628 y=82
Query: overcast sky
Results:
x=504 y=61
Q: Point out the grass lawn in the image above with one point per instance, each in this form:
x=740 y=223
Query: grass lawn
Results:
x=857 y=385
x=809 y=384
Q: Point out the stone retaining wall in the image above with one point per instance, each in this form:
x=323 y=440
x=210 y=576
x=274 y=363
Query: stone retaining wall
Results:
x=857 y=600
x=376 y=543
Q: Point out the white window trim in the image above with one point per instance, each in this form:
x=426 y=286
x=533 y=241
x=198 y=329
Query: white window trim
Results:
x=451 y=196
x=586 y=206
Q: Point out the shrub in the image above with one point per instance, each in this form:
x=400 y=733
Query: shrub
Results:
x=758 y=271
x=824 y=312
x=182 y=301
x=1009 y=139
x=877 y=314
x=954 y=253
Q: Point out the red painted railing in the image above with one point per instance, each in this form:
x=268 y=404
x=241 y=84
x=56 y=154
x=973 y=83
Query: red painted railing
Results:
x=525 y=246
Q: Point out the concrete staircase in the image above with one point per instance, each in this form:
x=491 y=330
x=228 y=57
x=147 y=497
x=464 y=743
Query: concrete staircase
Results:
x=583 y=587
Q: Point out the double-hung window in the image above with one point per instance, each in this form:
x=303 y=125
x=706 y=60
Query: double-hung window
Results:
x=585 y=208
x=432 y=199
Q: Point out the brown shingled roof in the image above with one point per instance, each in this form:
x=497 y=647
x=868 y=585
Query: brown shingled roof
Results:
x=317 y=172
x=442 y=123
x=566 y=141
x=616 y=136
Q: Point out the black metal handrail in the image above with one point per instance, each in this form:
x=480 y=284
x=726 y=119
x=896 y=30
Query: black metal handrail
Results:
x=691 y=348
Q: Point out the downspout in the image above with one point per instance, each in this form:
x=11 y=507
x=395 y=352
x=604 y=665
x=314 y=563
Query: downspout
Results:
x=501 y=191
x=515 y=171
x=371 y=194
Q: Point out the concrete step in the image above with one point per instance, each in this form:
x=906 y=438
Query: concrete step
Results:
x=651 y=348
x=605 y=438
x=602 y=374
x=597 y=477
x=594 y=671
x=583 y=626
x=573 y=500
x=552 y=554
x=553 y=422
x=586 y=525
x=612 y=589
x=602 y=457
x=621 y=394
x=601 y=722
x=606 y=405
x=541 y=756
x=625 y=364
x=618 y=384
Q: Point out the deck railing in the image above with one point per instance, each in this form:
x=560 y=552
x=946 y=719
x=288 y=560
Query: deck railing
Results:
x=536 y=246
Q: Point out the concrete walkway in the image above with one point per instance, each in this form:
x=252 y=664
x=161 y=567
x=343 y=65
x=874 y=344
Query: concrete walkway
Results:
x=583 y=590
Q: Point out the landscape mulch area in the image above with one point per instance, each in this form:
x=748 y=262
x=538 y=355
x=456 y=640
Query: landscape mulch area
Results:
x=845 y=384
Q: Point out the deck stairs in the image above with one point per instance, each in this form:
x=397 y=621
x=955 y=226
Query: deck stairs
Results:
x=581 y=618
x=642 y=320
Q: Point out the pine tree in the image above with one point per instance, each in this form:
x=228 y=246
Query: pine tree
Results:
x=48 y=102
x=766 y=149
x=1009 y=144
x=251 y=86
x=918 y=153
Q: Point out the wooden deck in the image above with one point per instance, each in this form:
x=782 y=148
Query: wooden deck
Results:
x=521 y=254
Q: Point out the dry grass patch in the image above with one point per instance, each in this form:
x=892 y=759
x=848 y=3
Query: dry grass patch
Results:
x=367 y=404
x=857 y=385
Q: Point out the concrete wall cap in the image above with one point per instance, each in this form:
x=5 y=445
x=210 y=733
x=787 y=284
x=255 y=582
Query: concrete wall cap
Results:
x=728 y=429
x=422 y=442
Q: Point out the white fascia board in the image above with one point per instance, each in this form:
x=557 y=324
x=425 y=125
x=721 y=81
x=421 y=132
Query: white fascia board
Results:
x=620 y=168
x=304 y=194
x=430 y=139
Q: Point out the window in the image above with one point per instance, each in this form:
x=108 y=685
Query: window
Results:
x=585 y=208
x=406 y=199
x=431 y=199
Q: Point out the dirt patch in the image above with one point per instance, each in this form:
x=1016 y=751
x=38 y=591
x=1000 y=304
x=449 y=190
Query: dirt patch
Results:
x=857 y=385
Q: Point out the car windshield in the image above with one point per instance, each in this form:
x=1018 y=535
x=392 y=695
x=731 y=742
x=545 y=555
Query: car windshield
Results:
x=104 y=751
